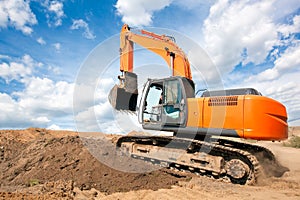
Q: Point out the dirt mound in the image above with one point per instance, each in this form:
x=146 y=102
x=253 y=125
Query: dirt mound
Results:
x=270 y=165
x=295 y=131
x=42 y=164
x=42 y=157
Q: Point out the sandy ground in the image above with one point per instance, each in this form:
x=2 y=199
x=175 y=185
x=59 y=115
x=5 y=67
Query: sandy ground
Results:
x=286 y=187
x=43 y=164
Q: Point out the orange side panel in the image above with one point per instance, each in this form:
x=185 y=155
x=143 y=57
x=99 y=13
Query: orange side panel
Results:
x=224 y=112
x=216 y=112
x=251 y=116
x=265 y=119
x=195 y=112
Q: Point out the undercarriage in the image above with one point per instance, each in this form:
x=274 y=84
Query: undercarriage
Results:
x=237 y=162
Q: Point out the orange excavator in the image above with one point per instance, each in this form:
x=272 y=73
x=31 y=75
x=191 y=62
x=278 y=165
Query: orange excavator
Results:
x=201 y=125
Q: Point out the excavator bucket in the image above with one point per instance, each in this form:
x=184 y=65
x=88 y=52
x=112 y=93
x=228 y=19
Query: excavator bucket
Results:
x=124 y=96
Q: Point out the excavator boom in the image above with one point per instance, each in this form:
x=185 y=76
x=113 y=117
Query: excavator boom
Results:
x=162 y=45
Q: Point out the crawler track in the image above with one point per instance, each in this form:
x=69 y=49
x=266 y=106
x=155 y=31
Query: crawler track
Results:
x=221 y=159
x=270 y=166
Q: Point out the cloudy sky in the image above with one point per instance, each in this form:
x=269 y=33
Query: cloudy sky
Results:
x=47 y=47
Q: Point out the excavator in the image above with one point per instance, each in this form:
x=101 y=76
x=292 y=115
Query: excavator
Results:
x=201 y=126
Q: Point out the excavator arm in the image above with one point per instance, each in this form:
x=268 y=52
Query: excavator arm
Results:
x=124 y=95
x=162 y=45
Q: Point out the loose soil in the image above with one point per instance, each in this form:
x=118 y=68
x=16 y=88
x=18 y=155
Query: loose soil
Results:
x=42 y=164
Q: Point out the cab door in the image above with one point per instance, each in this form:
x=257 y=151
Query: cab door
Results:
x=173 y=103
x=151 y=103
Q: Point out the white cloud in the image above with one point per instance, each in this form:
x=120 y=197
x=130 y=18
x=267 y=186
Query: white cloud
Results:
x=289 y=62
x=17 y=14
x=41 y=41
x=41 y=120
x=97 y=114
x=239 y=31
x=18 y=69
x=54 y=127
x=56 y=7
x=55 y=12
x=101 y=117
x=42 y=102
x=91 y=114
x=50 y=96
x=10 y=116
x=139 y=12
x=56 y=70
x=87 y=119
x=104 y=87
x=13 y=70
x=5 y=57
x=81 y=24
x=284 y=8
x=6 y=103
x=287 y=29
x=281 y=82
x=57 y=46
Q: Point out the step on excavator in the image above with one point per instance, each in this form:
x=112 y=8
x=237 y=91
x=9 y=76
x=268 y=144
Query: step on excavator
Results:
x=202 y=125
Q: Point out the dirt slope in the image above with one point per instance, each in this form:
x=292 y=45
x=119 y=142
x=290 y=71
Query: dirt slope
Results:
x=43 y=164
x=39 y=156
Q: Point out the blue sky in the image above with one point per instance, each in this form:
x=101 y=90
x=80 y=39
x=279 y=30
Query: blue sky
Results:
x=44 y=45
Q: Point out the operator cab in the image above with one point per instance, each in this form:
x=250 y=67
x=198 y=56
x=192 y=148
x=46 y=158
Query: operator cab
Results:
x=163 y=103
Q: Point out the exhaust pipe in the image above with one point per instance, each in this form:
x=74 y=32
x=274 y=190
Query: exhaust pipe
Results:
x=124 y=96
